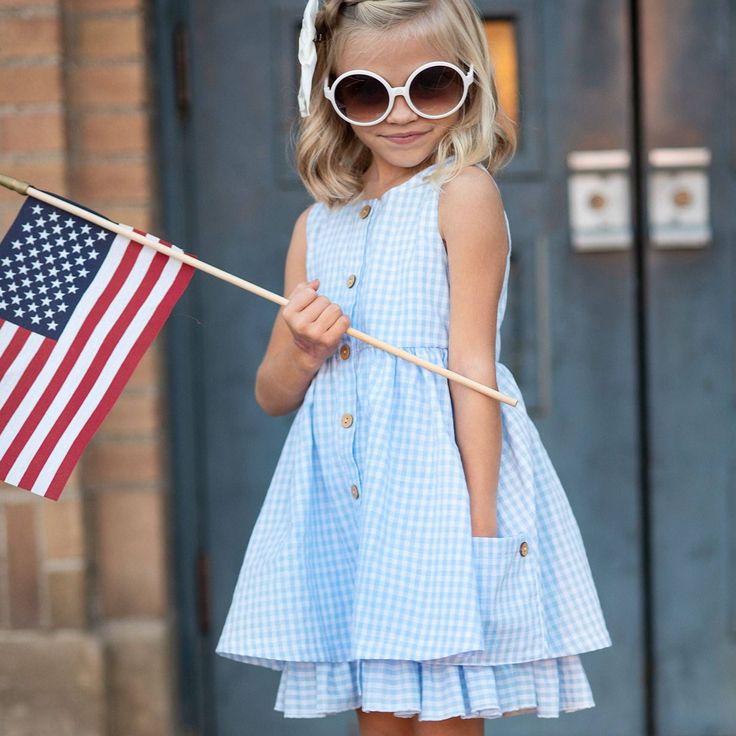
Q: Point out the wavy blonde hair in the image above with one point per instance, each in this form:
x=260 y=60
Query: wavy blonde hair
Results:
x=331 y=160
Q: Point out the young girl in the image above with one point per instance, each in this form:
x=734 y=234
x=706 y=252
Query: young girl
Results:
x=415 y=558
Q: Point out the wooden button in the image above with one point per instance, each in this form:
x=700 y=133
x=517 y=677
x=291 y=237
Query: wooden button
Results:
x=354 y=490
x=524 y=549
x=347 y=420
x=365 y=210
x=345 y=351
x=351 y=280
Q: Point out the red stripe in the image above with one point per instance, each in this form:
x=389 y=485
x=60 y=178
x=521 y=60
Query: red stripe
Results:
x=97 y=365
x=13 y=348
x=21 y=388
x=65 y=368
x=121 y=378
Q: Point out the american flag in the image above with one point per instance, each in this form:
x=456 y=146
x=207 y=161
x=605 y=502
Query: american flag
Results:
x=79 y=306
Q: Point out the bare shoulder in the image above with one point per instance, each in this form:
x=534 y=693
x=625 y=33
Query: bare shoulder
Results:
x=296 y=255
x=470 y=201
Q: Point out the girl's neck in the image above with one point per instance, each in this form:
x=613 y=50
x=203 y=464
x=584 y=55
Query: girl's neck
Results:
x=380 y=177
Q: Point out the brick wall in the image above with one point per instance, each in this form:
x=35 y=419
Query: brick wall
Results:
x=84 y=590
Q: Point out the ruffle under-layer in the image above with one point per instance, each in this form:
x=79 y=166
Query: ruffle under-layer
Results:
x=434 y=691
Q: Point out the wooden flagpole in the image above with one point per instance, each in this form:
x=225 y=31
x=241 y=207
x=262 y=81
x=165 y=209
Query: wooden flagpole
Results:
x=126 y=231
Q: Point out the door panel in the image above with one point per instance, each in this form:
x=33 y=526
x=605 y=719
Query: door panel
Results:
x=690 y=311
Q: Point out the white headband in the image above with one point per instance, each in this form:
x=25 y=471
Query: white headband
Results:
x=307 y=55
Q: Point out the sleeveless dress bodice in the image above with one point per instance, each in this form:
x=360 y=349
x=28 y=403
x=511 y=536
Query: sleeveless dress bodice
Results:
x=362 y=553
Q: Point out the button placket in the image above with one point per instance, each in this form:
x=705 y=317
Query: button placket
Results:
x=348 y=418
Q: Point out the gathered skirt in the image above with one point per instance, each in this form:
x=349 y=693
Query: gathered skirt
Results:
x=434 y=691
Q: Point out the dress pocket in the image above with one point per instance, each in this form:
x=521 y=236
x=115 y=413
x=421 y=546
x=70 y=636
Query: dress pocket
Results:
x=508 y=595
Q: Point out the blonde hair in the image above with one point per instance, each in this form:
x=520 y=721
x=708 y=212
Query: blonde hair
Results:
x=331 y=160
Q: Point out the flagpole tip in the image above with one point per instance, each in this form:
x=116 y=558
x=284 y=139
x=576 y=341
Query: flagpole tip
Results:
x=16 y=185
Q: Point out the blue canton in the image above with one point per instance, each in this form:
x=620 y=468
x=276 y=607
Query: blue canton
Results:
x=48 y=258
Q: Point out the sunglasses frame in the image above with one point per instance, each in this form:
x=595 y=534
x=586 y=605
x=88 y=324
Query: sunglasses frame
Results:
x=393 y=92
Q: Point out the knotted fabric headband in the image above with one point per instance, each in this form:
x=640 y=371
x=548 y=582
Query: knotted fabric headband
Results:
x=307 y=55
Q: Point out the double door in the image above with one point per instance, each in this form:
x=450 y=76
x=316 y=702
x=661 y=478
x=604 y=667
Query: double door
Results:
x=619 y=329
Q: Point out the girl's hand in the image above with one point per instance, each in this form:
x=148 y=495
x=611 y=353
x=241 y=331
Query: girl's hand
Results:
x=316 y=323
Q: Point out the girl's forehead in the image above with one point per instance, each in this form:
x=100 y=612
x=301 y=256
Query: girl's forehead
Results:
x=391 y=54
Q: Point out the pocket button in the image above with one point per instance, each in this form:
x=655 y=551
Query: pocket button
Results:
x=524 y=549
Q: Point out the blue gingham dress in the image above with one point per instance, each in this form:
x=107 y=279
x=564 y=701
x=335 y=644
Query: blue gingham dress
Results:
x=361 y=580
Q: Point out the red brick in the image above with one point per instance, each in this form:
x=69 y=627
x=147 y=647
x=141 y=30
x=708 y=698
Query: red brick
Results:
x=110 y=37
x=130 y=539
x=26 y=37
x=22 y=564
x=63 y=529
x=27 y=132
x=123 y=463
x=133 y=413
x=25 y=84
x=103 y=4
x=114 y=133
x=139 y=216
x=67 y=591
x=49 y=175
x=109 y=180
x=147 y=373
x=96 y=86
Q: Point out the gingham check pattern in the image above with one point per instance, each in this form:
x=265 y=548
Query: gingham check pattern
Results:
x=331 y=578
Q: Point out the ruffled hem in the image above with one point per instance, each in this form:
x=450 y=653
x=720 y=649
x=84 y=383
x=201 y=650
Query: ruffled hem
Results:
x=434 y=692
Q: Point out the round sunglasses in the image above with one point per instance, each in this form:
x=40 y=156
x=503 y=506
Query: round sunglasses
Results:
x=434 y=90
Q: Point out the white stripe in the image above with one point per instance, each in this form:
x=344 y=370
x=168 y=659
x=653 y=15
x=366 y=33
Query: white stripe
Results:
x=62 y=346
x=112 y=366
x=83 y=359
x=18 y=367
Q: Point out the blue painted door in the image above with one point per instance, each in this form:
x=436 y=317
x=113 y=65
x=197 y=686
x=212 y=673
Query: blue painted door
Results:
x=624 y=353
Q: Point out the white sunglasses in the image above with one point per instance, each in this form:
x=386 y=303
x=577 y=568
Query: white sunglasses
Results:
x=434 y=90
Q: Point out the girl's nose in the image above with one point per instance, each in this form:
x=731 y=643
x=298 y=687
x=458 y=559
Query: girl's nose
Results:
x=401 y=112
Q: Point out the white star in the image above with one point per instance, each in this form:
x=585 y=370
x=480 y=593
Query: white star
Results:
x=52 y=325
x=86 y=228
x=73 y=235
x=26 y=227
x=83 y=272
x=44 y=235
x=35 y=319
x=69 y=277
x=31 y=239
x=62 y=307
x=40 y=222
x=3 y=304
x=73 y=289
x=33 y=307
x=36 y=264
x=101 y=235
x=17 y=244
x=36 y=209
x=49 y=313
x=70 y=222
x=93 y=254
x=20 y=312
x=56 y=229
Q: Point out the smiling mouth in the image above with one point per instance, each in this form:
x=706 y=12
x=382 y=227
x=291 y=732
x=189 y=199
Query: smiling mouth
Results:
x=405 y=136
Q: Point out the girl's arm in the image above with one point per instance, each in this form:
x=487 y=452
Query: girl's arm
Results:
x=306 y=331
x=471 y=221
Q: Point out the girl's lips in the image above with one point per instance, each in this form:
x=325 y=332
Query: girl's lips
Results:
x=404 y=139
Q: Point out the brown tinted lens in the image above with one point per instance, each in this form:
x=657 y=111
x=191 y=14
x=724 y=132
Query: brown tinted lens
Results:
x=436 y=90
x=361 y=98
